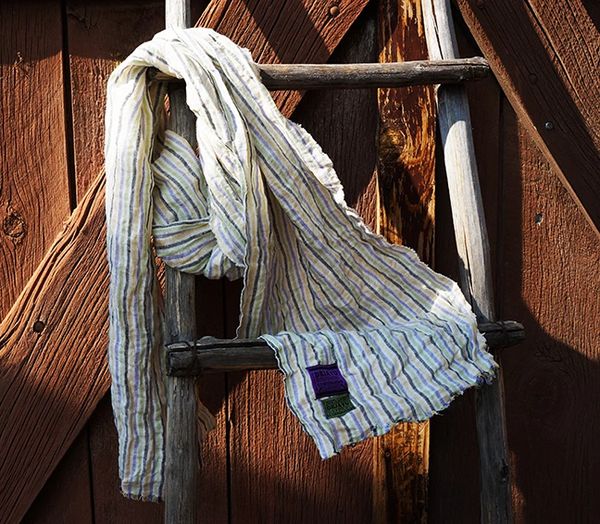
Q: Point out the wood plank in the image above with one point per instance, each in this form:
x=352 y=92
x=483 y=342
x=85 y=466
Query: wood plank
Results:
x=109 y=505
x=67 y=496
x=551 y=281
x=545 y=58
x=277 y=475
x=39 y=374
x=303 y=31
x=100 y=35
x=406 y=185
x=34 y=185
x=548 y=281
x=47 y=391
x=33 y=204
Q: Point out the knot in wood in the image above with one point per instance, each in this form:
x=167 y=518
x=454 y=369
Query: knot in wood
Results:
x=14 y=226
x=391 y=143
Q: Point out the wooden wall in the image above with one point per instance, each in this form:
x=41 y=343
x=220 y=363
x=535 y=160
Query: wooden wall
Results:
x=260 y=467
x=546 y=256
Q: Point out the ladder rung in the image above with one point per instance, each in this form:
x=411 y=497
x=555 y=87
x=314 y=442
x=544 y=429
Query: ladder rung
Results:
x=212 y=355
x=338 y=76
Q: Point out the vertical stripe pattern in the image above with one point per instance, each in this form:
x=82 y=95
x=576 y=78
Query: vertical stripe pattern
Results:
x=261 y=201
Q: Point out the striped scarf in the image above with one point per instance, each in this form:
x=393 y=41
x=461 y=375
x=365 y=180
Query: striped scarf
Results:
x=364 y=332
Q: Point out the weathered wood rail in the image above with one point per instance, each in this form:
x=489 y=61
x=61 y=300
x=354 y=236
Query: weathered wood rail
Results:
x=359 y=76
x=212 y=355
x=475 y=267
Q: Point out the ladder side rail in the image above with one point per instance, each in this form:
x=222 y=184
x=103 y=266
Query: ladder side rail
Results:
x=181 y=447
x=474 y=258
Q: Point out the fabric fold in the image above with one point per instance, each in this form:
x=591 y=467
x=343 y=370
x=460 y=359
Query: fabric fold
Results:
x=364 y=332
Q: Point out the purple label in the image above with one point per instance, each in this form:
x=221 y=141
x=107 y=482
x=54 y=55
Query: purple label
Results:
x=327 y=380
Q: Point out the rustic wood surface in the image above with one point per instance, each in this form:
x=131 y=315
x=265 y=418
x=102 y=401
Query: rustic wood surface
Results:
x=210 y=354
x=545 y=57
x=549 y=268
x=475 y=266
x=40 y=375
x=454 y=454
x=71 y=275
x=299 y=31
x=360 y=76
x=543 y=245
x=406 y=209
x=32 y=205
x=182 y=435
x=546 y=262
x=67 y=496
x=32 y=141
x=98 y=37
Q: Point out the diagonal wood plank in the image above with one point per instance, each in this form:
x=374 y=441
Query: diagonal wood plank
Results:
x=298 y=31
x=545 y=57
x=66 y=302
x=47 y=391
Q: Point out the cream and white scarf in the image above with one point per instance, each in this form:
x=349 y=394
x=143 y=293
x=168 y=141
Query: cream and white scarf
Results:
x=365 y=333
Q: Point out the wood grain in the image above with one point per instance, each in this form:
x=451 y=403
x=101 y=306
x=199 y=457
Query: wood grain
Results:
x=298 y=31
x=33 y=205
x=406 y=189
x=209 y=354
x=359 y=76
x=472 y=243
x=547 y=259
x=276 y=473
x=454 y=455
x=72 y=502
x=109 y=506
x=182 y=435
x=551 y=282
x=100 y=35
x=47 y=391
x=545 y=56
x=40 y=375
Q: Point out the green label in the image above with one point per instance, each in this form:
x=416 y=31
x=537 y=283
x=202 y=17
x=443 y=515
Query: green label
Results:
x=337 y=405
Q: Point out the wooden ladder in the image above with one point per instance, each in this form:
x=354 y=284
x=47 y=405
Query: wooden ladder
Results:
x=186 y=358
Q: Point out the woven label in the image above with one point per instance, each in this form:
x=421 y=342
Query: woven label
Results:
x=327 y=380
x=337 y=405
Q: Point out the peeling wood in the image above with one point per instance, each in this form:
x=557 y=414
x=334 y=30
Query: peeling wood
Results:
x=406 y=197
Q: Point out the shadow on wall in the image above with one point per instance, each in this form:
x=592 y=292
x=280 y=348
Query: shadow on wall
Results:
x=546 y=262
x=545 y=258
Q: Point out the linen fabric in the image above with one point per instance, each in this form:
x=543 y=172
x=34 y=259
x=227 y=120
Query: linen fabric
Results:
x=261 y=201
